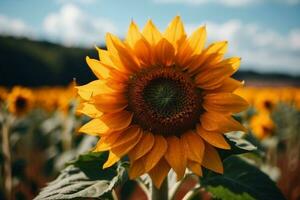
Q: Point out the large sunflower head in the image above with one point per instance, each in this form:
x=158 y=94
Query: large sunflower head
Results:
x=20 y=101
x=163 y=99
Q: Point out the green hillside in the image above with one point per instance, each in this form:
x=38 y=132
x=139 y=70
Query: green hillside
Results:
x=37 y=63
x=32 y=63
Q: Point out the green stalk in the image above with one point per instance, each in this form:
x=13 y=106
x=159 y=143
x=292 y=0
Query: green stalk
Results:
x=7 y=160
x=67 y=133
x=162 y=192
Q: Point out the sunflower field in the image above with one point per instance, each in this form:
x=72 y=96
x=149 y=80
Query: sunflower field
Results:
x=41 y=126
x=164 y=119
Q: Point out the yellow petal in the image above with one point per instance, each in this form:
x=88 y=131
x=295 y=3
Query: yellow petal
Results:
x=151 y=33
x=195 y=146
x=156 y=153
x=107 y=141
x=159 y=172
x=117 y=80
x=144 y=52
x=228 y=85
x=139 y=44
x=137 y=168
x=213 y=78
x=117 y=121
x=117 y=139
x=99 y=69
x=133 y=34
x=175 y=33
x=112 y=159
x=110 y=103
x=212 y=159
x=214 y=138
x=176 y=156
x=130 y=135
x=121 y=54
x=217 y=48
x=210 y=56
x=94 y=88
x=143 y=147
x=122 y=149
x=164 y=53
x=94 y=127
x=212 y=60
x=105 y=57
x=197 y=40
x=233 y=62
x=89 y=110
x=195 y=64
x=224 y=103
x=112 y=63
x=195 y=167
x=116 y=85
x=188 y=48
x=209 y=120
x=212 y=121
x=184 y=54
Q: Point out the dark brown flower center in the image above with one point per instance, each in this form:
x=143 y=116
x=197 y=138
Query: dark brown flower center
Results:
x=164 y=101
x=268 y=105
x=21 y=103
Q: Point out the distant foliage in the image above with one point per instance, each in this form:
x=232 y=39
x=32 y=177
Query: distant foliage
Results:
x=30 y=63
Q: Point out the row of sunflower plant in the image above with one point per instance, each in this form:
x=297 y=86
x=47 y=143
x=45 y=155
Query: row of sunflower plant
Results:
x=167 y=116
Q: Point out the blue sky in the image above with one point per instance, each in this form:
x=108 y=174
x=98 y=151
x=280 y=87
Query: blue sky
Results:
x=265 y=33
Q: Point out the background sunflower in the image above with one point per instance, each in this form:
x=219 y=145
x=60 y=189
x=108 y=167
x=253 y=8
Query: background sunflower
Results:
x=20 y=101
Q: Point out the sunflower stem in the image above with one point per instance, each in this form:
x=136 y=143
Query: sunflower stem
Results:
x=162 y=192
x=7 y=159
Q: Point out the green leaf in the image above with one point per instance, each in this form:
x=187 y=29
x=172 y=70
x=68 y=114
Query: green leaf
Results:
x=241 y=177
x=84 y=178
x=238 y=145
x=220 y=192
x=256 y=142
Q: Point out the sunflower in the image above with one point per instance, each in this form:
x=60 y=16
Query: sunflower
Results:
x=297 y=98
x=20 y=101
x=262 y=125
x=3 y=94
x=162 y=99
x=266 y=100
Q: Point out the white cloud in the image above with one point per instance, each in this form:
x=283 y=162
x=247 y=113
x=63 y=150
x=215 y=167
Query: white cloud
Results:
x=15 y=27
x=261 y=49
x=230 y=3
x=84 y=2
x=71 y=26
x=295 y=38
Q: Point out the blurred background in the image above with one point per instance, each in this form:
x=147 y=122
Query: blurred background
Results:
x=43 y=45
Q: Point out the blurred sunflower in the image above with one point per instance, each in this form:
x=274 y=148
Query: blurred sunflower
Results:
x=46 y=98
x=297 y=99
x=162 y=99
x=67 y=96
x=247 y=93
x=266 y=100
x=262 y=125
x=20 y=101
x=3 y=94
